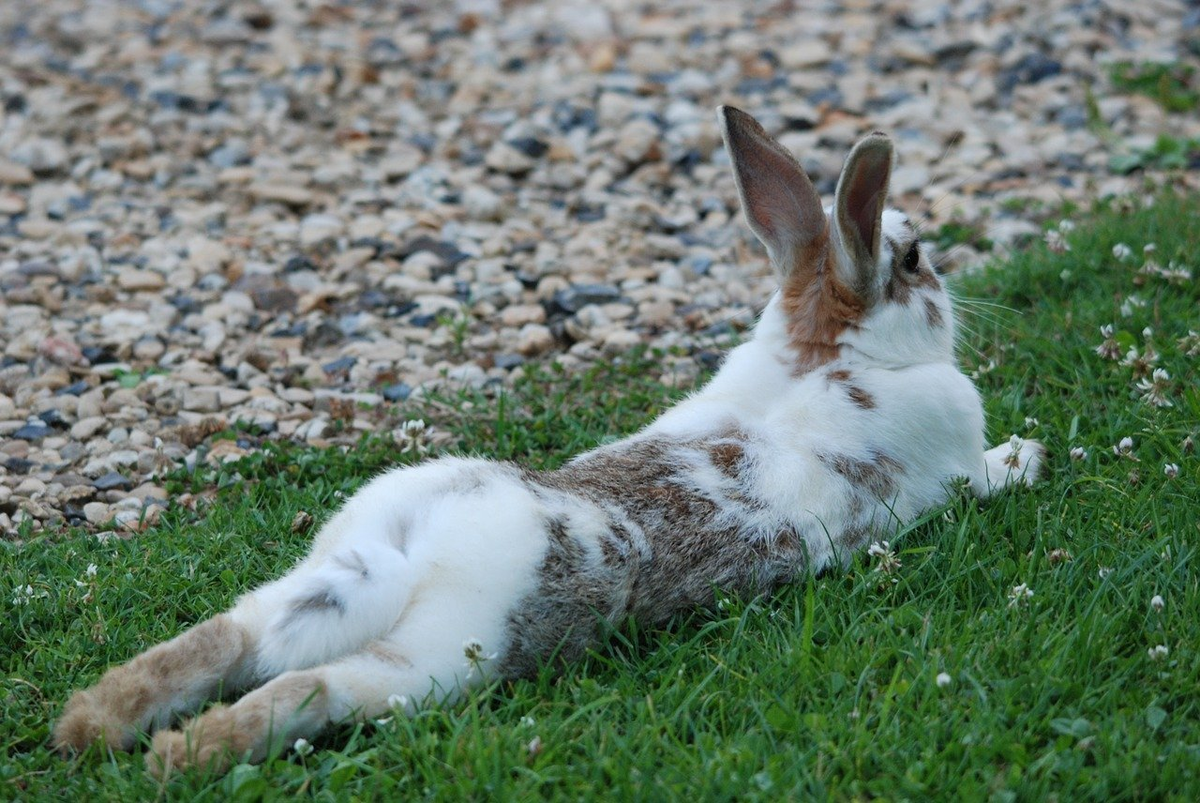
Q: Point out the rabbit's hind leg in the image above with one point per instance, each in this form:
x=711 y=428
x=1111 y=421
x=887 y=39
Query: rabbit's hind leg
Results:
x=318 y=612
x=427 y=657
x=172 y=677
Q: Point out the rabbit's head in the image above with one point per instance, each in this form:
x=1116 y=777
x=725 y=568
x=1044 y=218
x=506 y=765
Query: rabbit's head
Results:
x=854 y=280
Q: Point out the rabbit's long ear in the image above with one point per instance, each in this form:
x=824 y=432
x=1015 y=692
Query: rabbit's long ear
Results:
x=858 y=210
x=781 y=205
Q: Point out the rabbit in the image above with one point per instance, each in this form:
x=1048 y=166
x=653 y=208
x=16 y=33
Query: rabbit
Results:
x=843 y=417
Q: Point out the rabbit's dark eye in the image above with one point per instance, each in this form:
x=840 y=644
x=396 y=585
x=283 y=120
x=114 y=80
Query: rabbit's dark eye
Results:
x=912 y=258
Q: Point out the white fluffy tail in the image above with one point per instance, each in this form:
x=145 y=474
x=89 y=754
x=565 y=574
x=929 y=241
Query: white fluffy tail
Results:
x=334 y=608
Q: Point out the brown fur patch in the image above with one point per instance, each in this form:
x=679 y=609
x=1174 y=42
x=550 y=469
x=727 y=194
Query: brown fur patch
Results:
x=876 y=476
x=901 y=283
x=897 y=288
x=854 y=538
x=727 y=456
x=933 y=315
x=667 y=546
x=928 y=279
x=788 y=539
x=818 y=306
x=860 y=397
x=317 y=602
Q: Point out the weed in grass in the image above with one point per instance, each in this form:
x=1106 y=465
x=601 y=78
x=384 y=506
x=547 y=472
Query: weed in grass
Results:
x=1172 y=85
x=837 y=686
x=1167 y=153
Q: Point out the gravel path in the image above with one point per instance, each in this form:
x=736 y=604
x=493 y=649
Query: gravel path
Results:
x=295 y=213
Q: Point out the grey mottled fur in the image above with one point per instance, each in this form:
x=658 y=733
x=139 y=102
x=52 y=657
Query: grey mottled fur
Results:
x=662 y=550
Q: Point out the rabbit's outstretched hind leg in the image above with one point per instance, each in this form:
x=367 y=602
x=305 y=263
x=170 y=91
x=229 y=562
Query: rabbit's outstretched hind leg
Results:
x=172 y=677
x=318 y=612
x=432 y=655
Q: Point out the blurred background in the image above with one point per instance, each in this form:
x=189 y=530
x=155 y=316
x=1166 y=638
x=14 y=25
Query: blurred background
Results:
x=293 y=213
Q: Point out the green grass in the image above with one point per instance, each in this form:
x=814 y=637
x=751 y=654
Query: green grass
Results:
x=1172 y=85
x=1167 y=153
x=824 y=688
x=958 y=233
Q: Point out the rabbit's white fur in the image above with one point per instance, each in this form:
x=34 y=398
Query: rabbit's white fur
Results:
x=813 y=440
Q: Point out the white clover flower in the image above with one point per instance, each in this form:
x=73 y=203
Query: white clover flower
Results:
x=397 y=701
x=1079 y=453
x=1124 y=448
x=1130 y=304
x=1158 y=652
x=1020 y=593
x=1058 y=555
x=302 y=747
x=1066 y=226
x=984 y=369
x=1122 y=251
x=1157 y=603
x=413 y=436
x=1013 y=458
x=1030 y=422
x=473 y=650
x=943 y=680
x=1190 y=343
x=1171 y=470
x=527 y=721
x=888 y=561
x=1109 y=349
x=535 y=746
x=1149 y=248
x=1176 y=274
x=27 y=594
x=1150 y=268
x=1104 y=571
x=1154 y=390
x=91 y=570
x=1142 y=363
x=1056 y=242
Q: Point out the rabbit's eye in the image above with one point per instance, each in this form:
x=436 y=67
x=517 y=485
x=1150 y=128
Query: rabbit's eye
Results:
x=912 y=259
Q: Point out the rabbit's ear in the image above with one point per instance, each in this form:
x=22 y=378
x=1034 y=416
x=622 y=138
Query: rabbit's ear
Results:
x=781 y=205
x=858 y=209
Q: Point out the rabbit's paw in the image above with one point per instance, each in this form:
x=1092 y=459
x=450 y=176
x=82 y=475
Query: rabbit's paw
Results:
x=207 y=742
x=88 y=718
x=1017 y=461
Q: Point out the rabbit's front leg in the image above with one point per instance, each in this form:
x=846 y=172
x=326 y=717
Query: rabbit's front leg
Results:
x=1017 y=461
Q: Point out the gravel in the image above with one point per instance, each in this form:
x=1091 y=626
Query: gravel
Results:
x=291 y=214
